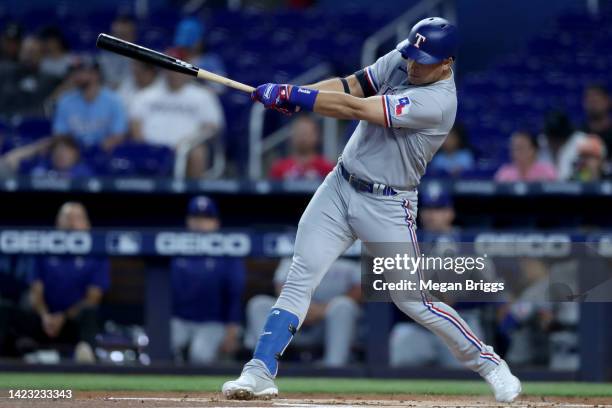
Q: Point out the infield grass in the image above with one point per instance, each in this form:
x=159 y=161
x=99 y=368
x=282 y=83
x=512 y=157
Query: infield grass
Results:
x=125 y=382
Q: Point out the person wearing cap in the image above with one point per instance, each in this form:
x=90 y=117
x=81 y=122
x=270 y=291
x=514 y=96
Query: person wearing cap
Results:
x=590 y=163
x=90 y=113
x=207 y=295
x=178 y=112
x=189 y=36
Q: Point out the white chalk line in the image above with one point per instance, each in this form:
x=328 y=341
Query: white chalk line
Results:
x=293 y=403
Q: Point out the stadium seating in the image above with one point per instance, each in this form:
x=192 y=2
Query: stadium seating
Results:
x=515 y=92
x=550 y=73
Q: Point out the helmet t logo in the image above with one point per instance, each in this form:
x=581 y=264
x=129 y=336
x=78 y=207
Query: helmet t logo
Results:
x=419 y=39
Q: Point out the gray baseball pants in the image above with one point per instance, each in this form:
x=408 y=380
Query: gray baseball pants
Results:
x=336 y=216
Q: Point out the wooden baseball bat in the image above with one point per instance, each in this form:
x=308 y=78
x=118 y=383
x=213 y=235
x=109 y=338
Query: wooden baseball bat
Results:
x=137 y=52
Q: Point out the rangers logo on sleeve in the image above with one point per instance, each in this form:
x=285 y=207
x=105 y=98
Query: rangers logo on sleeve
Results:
x=401 y=103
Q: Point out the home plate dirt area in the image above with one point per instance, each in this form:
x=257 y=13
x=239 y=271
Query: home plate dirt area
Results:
x=129 y=399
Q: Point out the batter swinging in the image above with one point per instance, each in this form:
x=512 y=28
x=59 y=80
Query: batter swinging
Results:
x=406 y=103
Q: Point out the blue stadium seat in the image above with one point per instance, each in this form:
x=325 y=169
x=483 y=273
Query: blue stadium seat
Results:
x=140 y=159
x=28 y=130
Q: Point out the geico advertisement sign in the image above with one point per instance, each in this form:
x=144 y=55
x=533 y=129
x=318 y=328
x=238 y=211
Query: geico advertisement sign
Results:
x=186 y=243
x=51 y=242
x=528 y=244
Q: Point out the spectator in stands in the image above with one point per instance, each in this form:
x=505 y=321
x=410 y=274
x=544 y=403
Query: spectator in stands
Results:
x=24 y=88
x=180 y=112
x=332 y=317
x=597 y=106
x=90 y=113
x=305 y=162
x=455 y=156
x=189 y=36
x=591 y=163
x=56 y=53
x=525 y=165
x=144 y=76
x=66 y=291
x=558 y=144
x=207 y=294
x=410 y=344
x=64 y=161
x=116 y=68
x=10 y=42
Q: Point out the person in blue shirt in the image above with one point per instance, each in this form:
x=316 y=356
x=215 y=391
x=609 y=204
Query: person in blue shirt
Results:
x=66 y=290
x=454 y=156
x=207 y=295
x=90 y=113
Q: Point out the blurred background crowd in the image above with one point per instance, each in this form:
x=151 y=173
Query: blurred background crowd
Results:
x=538 y=113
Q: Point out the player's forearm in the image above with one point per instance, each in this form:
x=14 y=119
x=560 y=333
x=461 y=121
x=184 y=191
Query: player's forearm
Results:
x=342 y=106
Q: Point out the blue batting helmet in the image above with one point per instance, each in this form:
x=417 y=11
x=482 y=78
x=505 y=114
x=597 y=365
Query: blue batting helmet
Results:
x=430 y=41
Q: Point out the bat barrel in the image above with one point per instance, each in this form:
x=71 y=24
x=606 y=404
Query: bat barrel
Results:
x=146 y=55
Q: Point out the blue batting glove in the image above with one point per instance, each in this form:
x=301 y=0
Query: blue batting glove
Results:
x=285 y=98
x=271 y=95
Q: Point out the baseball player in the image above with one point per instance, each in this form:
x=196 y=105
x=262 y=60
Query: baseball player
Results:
x=406 y=103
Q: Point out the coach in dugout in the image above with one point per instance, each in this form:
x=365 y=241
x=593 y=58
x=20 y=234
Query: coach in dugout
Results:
x=207 y=295
x=65 y=292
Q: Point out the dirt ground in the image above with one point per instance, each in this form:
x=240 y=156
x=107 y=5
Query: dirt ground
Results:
x=191 y=400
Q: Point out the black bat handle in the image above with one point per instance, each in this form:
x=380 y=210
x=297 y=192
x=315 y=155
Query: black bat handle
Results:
x=146 y=55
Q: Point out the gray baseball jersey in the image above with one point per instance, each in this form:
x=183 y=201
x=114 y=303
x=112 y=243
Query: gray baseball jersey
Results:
x=417 y=120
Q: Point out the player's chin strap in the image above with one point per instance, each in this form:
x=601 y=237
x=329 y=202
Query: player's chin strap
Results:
x=278 y=332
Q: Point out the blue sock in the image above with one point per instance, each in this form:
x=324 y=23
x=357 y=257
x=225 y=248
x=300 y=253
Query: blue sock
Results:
x=278 y=332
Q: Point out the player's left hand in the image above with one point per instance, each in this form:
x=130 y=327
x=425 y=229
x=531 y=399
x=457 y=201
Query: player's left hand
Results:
x=275 y=96
x=272 y=95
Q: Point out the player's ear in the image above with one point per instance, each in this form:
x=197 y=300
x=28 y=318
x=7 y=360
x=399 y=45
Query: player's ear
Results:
x=448 y=63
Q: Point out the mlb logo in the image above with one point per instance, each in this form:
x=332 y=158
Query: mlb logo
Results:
x=401 y=103
x=124 y=243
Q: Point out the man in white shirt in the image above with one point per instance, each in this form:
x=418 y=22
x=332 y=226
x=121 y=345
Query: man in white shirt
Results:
x=177 y=112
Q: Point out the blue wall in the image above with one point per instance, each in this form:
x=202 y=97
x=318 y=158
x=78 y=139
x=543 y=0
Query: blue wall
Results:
x=493 y=28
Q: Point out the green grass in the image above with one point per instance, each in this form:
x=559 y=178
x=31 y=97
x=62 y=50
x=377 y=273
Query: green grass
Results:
x=344 y=386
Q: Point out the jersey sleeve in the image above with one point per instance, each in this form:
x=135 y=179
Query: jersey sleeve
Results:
x=414 y=109
x=380 y=71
